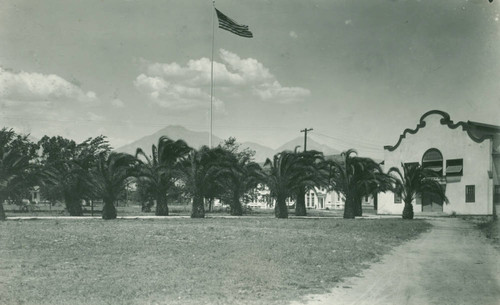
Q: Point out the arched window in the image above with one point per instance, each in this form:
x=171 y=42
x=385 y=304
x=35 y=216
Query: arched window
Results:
x=433 y=160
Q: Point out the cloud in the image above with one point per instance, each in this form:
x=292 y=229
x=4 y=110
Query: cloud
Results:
x=293 y=35
x=249 y=70
x=174 y=96
x=195 y=73
x=178 y=87
x=46 y=104
x=95 y=117
x=36 y=87
x=283 y=95
x=118 y=103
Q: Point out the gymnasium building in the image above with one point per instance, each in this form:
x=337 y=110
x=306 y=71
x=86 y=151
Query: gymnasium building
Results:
x=466 y=155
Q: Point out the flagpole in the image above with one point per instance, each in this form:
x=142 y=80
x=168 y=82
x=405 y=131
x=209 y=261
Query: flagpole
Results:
x=212 y=74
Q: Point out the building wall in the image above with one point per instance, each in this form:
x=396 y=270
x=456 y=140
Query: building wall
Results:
x=453 y=144
x=331 y=200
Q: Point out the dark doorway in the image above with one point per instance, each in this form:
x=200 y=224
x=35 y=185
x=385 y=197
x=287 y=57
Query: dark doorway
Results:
x=431 y=203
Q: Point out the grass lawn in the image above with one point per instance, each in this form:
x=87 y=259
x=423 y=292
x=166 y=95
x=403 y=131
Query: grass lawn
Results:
x=257 y=260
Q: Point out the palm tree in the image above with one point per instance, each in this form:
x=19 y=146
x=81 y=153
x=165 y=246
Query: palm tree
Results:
x=372 y=180
x=285 y=175
x=355 y=177
x=314 y=162
x=72 y=181
x=415 y=180
x=68 y=169
x=17 y=170
x=203 y=170
x=159 y=172
x=13 y=167
x=243 y=175
x=110 y=178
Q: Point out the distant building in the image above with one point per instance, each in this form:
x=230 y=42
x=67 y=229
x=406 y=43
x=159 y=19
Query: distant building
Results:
x=35 y=194
x=466 y=155
x=261 y=198
x=320 y=198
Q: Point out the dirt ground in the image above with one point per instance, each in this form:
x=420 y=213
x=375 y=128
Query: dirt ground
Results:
x=451 y=264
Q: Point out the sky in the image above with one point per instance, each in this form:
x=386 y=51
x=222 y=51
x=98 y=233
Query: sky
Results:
x=356 y=71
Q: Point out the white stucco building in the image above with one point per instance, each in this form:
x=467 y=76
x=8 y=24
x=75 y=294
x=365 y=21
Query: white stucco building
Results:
x=320 y=198
x=465 y=154
x=315 y=198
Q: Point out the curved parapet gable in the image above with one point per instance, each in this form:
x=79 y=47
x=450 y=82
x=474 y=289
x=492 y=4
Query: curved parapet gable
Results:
x=445 y=120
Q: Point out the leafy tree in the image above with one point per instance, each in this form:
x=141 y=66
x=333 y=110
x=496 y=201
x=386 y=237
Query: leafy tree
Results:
x=285 y=174
x=235 y=148
x=110 y=177
x=413 y=181
x=355 y=177
x=159 y=173
x=57 y=148
x=24 y=146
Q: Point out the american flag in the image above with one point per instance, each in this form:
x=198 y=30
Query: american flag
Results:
x=230 y=25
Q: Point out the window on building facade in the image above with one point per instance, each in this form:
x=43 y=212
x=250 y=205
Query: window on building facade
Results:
x=470 y=193
x=433 y=160
x=312 y=200
x=397 y=198
x=454 y=167
x=366 y=198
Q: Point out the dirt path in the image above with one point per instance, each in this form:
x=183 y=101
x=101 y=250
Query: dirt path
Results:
x=451 y=264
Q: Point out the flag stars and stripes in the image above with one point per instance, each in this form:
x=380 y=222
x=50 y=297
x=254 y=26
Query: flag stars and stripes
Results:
x=232 y=26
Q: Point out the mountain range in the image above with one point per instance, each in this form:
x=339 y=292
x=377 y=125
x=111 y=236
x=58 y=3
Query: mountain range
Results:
x=196 y=139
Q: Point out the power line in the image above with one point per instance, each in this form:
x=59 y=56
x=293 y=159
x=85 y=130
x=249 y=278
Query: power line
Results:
x=305 y=130
x=362 y=142
x=350 y=144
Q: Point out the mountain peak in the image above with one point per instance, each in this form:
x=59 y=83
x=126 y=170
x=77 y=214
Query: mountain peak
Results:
x=311 y=145
x=196 y=139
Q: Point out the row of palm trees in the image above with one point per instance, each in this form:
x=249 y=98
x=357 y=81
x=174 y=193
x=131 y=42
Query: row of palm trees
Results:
x=207 y=173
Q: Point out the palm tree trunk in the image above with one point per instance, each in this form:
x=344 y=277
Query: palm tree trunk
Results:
x=108 y=210
x=358 y=207
x=349 y=207
x=300 y=205
x=161 y=205
x=2 y=211
x=73 y=205
x=236 y=209
x=198 y=209
x=281 y=210
x=408 y=211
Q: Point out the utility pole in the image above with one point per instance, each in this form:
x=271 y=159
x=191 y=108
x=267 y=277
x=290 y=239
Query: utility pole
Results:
x=305 y=130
